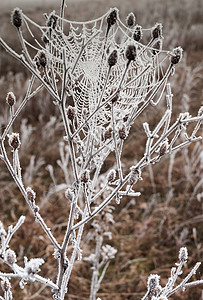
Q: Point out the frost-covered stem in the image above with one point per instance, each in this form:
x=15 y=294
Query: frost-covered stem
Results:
x=12 y=230
x=103 y=273
x=66 y=276
x=30 y=68
x=118 y=159
x=86 y=199
x=183 y=283
x=99 y=193
x=23 y=192
x=94 y=282
x=27 y=97
x=24 y=48
x=62 y=8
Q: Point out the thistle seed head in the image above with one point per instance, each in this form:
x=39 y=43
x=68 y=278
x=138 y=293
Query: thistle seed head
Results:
x=183 y=254
x=10 y=99
x=42 y=59
x=153 y=281
x=16 y=17
x=71 y=112
x=122 y=133
x=113 y=57
x=137 y=36
x=111 y=176
x=52 y=20
x=10 y=257
x=157 y=31
x=112 y=17
x=176 y=55
x=130 y=52
x=130 y=20
x=14 y=141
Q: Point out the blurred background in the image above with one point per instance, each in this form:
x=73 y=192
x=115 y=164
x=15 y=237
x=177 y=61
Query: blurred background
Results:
x=168 y=215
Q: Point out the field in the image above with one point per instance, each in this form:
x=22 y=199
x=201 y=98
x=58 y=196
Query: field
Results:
x=147 y=232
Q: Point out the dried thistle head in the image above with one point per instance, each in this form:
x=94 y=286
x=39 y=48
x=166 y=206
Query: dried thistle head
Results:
x=176 y=55
x=16 y=17
x=112 y=17
x=71 y=112
x=111 y=176
x=137 y=35
x=122 y=132
x=14 y=141
x=130 y=52
x=42 y=59
x=52 y=20
x=113 y=57
x=10 y=257
x=31 y=195
x=10 y=99
x=130 y=20
x=135 y=175
x=183 y=254
x=157 y=31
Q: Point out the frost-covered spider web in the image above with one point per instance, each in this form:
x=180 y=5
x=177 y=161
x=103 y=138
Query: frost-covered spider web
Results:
x=84 y=48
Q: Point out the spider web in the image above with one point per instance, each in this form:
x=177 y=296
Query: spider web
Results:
x=86 y=48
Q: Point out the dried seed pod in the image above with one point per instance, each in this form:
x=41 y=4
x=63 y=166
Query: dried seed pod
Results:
x=85 y=176
x=157 y=31
x=11 y=99
x=14 y=141
x=176 y=55
x=10 y=256
x=156 y=47
x=125 y=119
x=31 y=195
x=113 y=57
x=130 y=20
x=111 y=176
x=71 y=112
x=122 y=133
x=153 y=281
x=52 y=20
x=137 y=36
x=112 y=17
x=130 y=52
x=183 y=254
x=108 y=133
x=16 y=17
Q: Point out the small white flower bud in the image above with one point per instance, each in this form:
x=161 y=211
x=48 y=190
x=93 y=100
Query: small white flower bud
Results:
x=183 y=254
x=10 y=256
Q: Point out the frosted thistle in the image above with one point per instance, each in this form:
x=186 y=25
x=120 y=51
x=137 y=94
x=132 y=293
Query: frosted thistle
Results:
x=10 y=257
x=183 y=254
x=112 y=17
x=130 y=52
x=111 y=176
x=113 y=57
x=130 y=20
x=157 y=31
x=176 y=55
x=137 y=35
x=14 y=141
x=16 y=17
x=10 y=99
